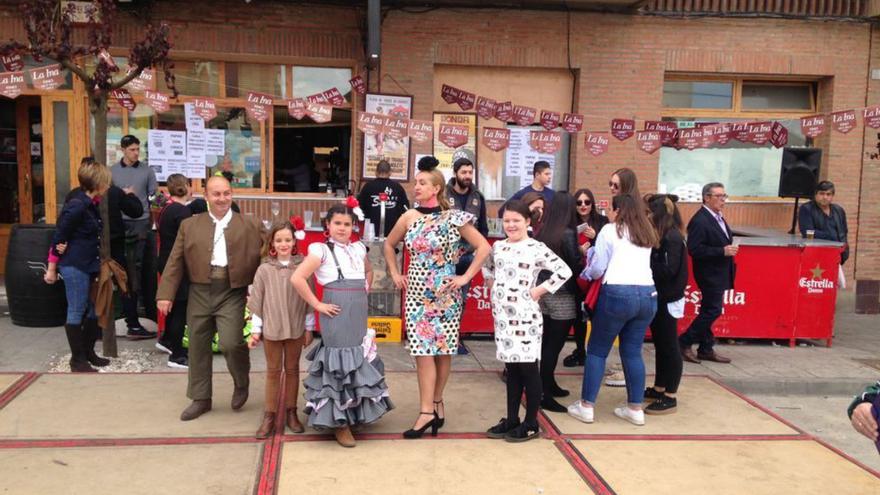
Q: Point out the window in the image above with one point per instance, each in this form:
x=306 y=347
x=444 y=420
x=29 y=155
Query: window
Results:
x=738 y=95
x=763 y=96
x=503 y=173
x=261 y=78
x=197 y=78
x=309 y=155
x=747 y=170
x=311 y=80
x=698 y=94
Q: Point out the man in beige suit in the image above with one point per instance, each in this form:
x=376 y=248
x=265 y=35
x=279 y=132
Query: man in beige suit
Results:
x=220 y=251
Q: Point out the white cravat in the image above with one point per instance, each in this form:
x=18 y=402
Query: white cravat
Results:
x=218 y=255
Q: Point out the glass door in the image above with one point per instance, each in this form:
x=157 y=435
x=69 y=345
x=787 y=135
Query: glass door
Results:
x=59 y=159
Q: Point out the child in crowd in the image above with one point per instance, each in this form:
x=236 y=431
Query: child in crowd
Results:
x=283 y=321
x=511 y=273
x=345 y=385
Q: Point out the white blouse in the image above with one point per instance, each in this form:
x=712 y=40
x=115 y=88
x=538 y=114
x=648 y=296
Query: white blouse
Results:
x=619 y=260
x=351 y=258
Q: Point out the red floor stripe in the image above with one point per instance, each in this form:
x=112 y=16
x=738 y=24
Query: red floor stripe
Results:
x=677 y=437
x=592 y=477
x=757 y=406
x=846 y=456
x=120 y=442
x=17 y=387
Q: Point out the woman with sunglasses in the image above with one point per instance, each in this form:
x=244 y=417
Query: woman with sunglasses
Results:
x=590 y=222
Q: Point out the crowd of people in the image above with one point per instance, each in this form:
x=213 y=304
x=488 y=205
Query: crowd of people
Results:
x=562 y=263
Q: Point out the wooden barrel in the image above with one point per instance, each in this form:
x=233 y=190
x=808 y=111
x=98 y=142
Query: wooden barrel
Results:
x=32 y=302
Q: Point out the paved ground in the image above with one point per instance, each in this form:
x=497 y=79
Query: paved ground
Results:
x=809 y=386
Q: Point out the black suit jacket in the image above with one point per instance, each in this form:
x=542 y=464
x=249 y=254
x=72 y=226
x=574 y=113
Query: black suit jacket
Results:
x=705 y=242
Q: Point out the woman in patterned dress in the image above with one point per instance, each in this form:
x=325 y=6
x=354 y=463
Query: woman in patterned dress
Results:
x=434 y=235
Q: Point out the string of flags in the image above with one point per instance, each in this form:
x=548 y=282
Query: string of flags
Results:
x=319 y=107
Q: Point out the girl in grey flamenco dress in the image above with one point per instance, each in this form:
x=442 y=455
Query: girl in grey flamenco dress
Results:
x=345 y=384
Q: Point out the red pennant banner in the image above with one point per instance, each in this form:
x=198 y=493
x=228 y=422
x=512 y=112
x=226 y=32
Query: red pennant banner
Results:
x=486 y=107
x=105 y=57
x=778 y=135
x=258 y=106
x=358 y=85
x=596 y=143
x=124 y=98
x=496 y=139
x=690 y=138
x=395 y=128
x=740 y=131
x=296 y=108
x=720 y=132
x=449 y=94
x=649 y=141
x=421 y=131
x=547 y=142
x=11 y=84
x=549 y=120
x=813 y=126
x=13 y=63
x=205 y=108
x=144 y=81
x=334 y=97
x=504 y=111
x=318 y=98
x=872 y=117
x=709 y=136
x=623 y=129
x=319 y=113
x=844 y=121
x=157 y=101
x=759 y=132
x=668 y=134
x=453 y=135
x=47 y=77
x=370 y=123
x=572 y=122
x=523 y=115
x=466 y=101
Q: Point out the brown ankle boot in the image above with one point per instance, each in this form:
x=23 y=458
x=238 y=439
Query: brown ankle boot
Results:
x=267 y=427
x=293 y=421
x=344 y=436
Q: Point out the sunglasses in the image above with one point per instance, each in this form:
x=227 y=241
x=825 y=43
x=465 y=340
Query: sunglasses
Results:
x=613 y=185
x=585 y=202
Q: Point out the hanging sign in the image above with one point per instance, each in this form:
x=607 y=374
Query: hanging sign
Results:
x=690 y=138
x=486 y=107
x=466 y=101
x=504 y=111
x=549 y=120
x=13 y=63
x=545 y=141
x=296 y=108
x=157 y=101
x=319 y=113
x=449 y=94
x=47 y=77
x=778 y=135
x=597 y=144
x=370 y=123
x=496 y=139
x=648 y=141
x=572 y=122
x=872 y=117
x=258 y=106
x=421 y=131
x=124 y=98
x=759 y=132
x=844 y=121
x=144 y=81
x=623 y=129
x=668 y=131
x=709 y=135
x=205 y=108
x=722 y=133
x=453 y=135
x=11 y=84
x=813 y=126
x=740 y=131
x=334 y=97
x=523 y=115
x=395 y=127
x=358 y=85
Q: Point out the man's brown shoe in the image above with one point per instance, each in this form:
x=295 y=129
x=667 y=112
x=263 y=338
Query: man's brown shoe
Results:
x=267 y=427
x=293 y=421
x=713 y=356
x=344 y=437
x=196 y=409
x=239 y=397
x=688 y=355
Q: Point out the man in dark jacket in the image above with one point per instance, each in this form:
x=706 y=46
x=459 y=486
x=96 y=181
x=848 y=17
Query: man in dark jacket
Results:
x=826 y=219
x=371 y=196
x=710 y=244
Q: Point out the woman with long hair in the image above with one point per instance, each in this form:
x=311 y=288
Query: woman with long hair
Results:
x=536 y=204
x=626 y=304
x=559 y=233
x=670 y=269
x=590 y=222
x=434 y=235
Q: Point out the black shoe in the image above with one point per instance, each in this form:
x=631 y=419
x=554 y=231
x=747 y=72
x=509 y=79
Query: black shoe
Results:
x=500 y=430
x=91 y=332
x=575 y=359
x=440 y=421
x=522 y=433
x=664 y=405
x=557 y=391
x=140 y=333
x=181 y=362
x=550 y=404
x=79 y=362
x=413 y=433
x=652 y=394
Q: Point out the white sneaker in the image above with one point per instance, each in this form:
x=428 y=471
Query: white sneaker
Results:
x=635 y=417
x=162 y=348
x=616 y=379
x=581 y=413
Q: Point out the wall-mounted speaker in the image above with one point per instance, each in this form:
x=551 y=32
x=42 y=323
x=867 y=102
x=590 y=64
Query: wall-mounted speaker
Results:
x=799 y=172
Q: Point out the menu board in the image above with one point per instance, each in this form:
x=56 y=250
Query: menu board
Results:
x=166 y=153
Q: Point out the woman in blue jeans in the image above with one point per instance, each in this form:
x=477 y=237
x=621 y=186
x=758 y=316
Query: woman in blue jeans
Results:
x=626 y=305
x=79 y=227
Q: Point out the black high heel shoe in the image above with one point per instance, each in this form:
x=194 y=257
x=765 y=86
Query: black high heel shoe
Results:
x=412 y=433
x=440 y=421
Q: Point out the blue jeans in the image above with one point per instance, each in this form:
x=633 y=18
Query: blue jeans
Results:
x=76 y=287
x=624 y=311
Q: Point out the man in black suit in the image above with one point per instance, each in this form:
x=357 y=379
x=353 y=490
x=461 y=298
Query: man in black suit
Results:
x=709 y=243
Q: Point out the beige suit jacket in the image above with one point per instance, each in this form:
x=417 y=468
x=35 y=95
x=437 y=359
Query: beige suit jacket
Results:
x=194 y=247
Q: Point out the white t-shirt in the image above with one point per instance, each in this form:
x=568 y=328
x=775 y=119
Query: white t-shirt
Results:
x=621 y=262
x=351 y=259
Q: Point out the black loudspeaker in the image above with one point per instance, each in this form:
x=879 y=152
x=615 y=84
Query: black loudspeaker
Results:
x=800 y=172
x=374 y=24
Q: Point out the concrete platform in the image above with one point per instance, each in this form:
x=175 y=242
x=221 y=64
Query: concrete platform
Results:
x=7 y=379
x=404 y=467
x=725 y=467
x=133 y=470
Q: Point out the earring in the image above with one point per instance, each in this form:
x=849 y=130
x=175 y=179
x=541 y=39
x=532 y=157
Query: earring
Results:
x=272 y=252
x=326 y=234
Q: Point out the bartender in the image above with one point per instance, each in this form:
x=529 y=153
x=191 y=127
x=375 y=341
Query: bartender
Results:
x=825 y=219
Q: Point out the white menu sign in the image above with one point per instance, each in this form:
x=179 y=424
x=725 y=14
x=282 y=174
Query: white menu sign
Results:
x=520 y=157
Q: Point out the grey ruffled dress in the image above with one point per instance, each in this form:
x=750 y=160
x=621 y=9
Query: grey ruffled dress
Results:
x=343 y=387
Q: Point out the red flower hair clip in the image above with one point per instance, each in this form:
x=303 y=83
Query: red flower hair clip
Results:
x=299 y=227
x=355 y=206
